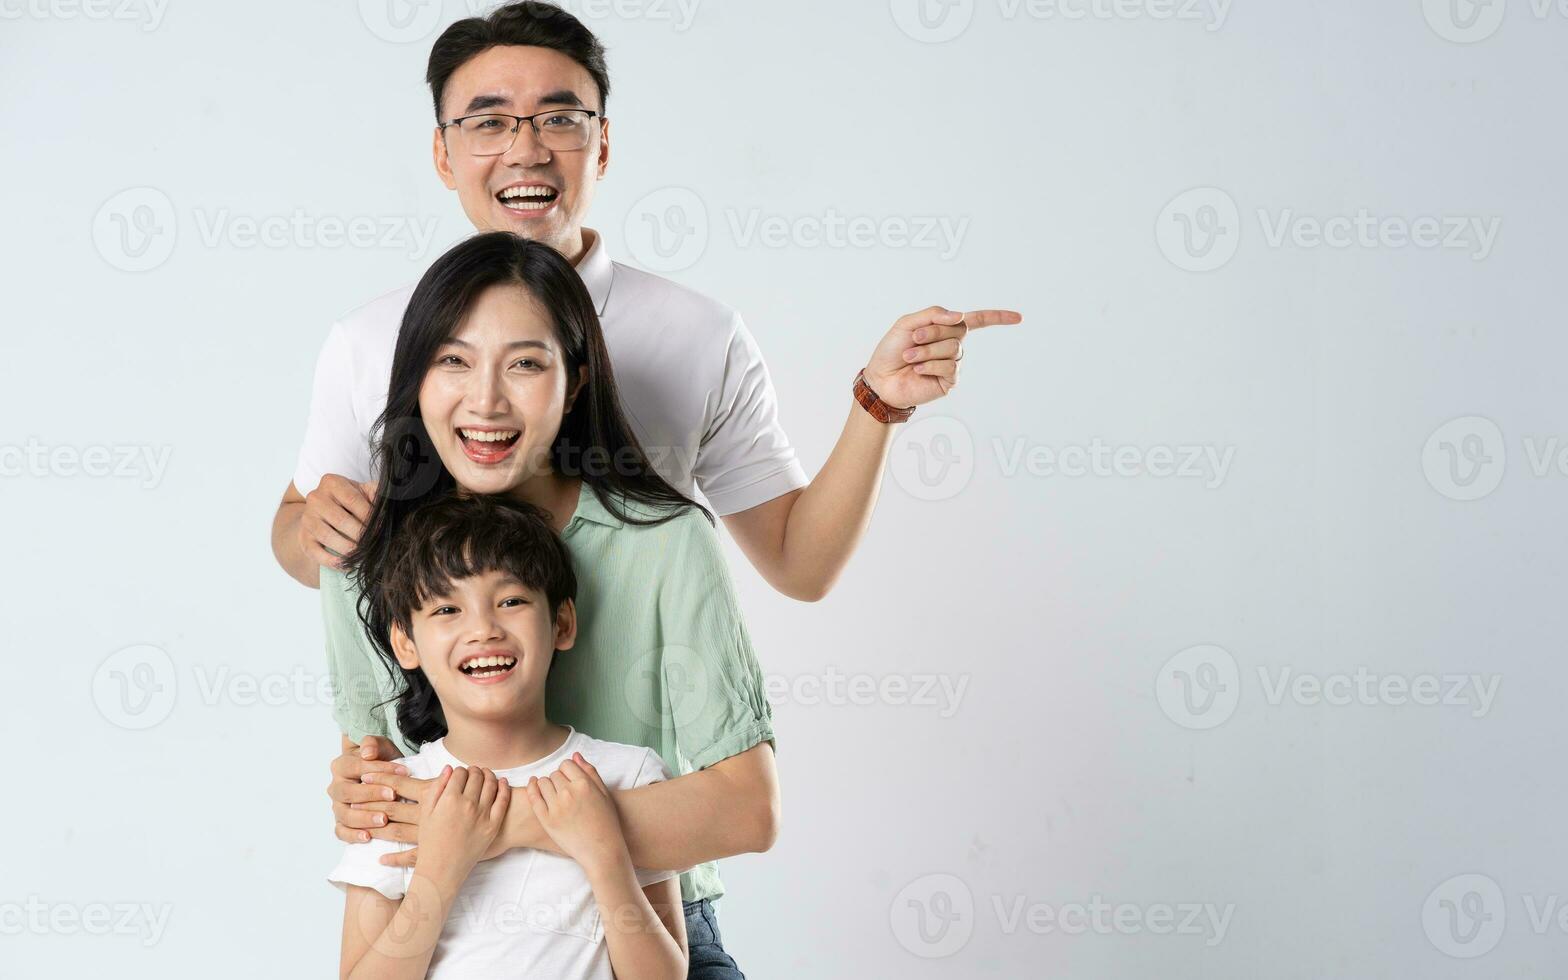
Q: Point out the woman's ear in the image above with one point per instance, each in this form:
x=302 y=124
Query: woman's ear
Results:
x=403 y=646
x=566 y=625
x=577 y=389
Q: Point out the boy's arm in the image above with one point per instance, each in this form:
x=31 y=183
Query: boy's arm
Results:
x=388 y=939
x=645 y=928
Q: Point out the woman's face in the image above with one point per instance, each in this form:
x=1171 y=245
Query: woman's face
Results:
x=496 y=391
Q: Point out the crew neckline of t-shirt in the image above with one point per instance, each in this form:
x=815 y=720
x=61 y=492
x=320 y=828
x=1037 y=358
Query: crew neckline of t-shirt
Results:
x=549 y=762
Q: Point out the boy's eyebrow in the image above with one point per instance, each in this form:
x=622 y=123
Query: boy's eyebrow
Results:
x=495 y=100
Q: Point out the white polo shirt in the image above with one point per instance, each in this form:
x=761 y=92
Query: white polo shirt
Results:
x=691 y=378
x=527 y=913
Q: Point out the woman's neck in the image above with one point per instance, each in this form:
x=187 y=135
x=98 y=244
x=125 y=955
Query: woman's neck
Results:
x=553 y=493
x=504 y=744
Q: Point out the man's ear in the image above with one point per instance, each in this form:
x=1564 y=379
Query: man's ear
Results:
x=403 y=646
x=604 y=149
x=443 y=164
x=566 y=625
x=582 y=382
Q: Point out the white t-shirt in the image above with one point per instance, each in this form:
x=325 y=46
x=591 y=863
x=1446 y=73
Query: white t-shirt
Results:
x=691 y=379
x=526 y=913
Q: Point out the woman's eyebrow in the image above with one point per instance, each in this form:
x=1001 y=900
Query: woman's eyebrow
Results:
x=454 y=342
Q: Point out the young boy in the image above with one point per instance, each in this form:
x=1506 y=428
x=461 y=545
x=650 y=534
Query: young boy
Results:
x=481 y=595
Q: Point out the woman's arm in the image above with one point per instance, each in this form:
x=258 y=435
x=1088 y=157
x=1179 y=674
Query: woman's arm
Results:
x=729 y=808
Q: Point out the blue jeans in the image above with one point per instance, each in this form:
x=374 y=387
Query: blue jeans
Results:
x=706 y=946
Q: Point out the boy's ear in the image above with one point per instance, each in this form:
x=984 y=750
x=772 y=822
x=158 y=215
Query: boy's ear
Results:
x=403 y=646
x=566 y=625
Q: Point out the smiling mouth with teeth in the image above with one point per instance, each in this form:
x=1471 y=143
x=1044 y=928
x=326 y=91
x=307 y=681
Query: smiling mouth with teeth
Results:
x=488 y=445
x=533 y=197
x=487 y=666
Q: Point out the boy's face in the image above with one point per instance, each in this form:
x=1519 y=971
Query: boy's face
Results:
x=486 y=646
x=522 y=80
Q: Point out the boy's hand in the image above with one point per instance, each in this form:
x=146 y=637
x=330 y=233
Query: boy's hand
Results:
x=461 y=818
x=360 y=809
x=575 y=808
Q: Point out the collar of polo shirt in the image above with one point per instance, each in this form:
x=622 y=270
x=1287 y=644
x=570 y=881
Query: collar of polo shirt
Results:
x=595 y=269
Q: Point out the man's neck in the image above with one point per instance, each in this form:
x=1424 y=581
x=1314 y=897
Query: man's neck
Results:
x=585 y=240
x=504 y=744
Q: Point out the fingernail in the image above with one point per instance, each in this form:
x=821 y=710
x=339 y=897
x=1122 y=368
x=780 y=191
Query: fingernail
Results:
x=920 y=335
x=381 y=820
x=363 y=837
x=388 y=795
x=911 y=354
x=400 y=770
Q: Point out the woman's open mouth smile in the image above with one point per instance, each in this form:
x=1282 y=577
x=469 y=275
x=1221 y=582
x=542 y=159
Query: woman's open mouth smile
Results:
x=487 y=446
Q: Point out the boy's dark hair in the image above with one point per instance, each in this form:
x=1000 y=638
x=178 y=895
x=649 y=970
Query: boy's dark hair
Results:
x=452 y=537
x=525 y=22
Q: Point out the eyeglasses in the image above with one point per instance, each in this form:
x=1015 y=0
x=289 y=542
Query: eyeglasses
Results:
x=493 y=133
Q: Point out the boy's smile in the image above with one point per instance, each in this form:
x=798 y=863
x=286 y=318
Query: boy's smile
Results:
x=487 y=666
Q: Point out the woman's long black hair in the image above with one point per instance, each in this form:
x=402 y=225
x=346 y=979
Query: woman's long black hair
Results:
x=595 y=442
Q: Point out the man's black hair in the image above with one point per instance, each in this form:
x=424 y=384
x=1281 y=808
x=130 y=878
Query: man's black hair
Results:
x=525 y=22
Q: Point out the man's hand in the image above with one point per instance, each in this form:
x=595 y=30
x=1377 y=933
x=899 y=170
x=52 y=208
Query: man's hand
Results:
x=334 y=518
x=917 y=361
x=575 y=808
x=352 y=799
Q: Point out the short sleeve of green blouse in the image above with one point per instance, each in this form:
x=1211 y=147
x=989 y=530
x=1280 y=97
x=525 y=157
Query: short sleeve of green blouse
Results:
x=715 y=694
x=663 y=658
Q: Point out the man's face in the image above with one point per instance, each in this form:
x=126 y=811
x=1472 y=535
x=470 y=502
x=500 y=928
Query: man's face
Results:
x=486 y=645
x=523 y=80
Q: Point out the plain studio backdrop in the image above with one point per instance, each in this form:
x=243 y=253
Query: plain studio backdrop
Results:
x=1211 y=628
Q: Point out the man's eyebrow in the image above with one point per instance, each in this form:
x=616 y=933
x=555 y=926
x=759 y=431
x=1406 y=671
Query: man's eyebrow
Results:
x=494 y=100
x=488 y=100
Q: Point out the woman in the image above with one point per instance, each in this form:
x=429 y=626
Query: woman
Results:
x=501 y=384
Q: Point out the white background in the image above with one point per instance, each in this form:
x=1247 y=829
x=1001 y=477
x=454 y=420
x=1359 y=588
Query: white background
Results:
x=1375 y=839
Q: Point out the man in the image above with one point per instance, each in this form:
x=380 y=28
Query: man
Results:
x=522 y=137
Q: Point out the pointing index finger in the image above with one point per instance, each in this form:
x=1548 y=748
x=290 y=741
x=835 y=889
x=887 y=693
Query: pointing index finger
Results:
x=976 y=319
